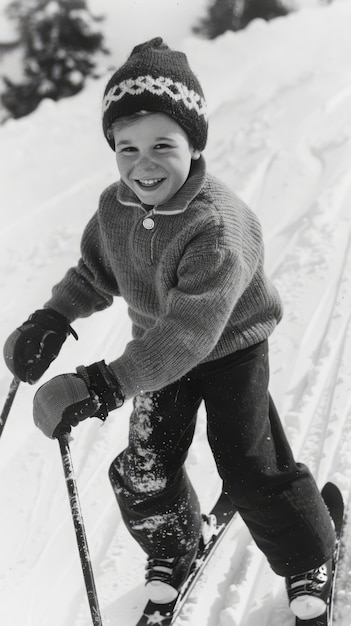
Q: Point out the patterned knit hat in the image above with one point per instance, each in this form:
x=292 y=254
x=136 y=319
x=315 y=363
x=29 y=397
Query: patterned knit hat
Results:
x=156 y=78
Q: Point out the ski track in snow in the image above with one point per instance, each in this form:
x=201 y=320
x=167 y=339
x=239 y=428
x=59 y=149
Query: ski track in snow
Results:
x=281 y=138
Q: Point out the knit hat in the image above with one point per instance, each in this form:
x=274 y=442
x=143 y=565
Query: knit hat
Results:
x=156 y=78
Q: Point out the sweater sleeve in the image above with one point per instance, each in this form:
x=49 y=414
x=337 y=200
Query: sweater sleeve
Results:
x=91 y=285
x=212 y=275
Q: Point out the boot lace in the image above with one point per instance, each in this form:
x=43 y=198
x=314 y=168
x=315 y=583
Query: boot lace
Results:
x=311 y=581
x=160 y=569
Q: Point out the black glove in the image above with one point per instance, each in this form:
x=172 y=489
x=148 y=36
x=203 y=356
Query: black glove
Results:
x=68 y=399
x=31 y=348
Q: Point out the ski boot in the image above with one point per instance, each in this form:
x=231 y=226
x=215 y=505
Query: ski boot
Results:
x=165 y=576
x=308 y=592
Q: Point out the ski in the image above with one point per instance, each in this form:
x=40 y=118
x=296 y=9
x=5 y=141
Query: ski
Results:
x=216 y=523
x=334 y=501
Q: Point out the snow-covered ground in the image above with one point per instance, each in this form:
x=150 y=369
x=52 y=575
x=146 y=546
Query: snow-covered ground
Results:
x=280 y=114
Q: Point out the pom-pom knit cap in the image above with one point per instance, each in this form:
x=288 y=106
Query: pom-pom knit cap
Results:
x=158 y=79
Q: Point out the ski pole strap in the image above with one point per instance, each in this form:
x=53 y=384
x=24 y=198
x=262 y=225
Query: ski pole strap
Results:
x=103 y=385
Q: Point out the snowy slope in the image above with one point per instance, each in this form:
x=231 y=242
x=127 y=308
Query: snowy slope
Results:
x=280 y=105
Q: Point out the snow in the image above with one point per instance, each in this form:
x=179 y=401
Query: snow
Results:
x=127 y=23
x=280 y=118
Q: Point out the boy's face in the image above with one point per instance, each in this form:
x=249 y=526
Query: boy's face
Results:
x=153 y=156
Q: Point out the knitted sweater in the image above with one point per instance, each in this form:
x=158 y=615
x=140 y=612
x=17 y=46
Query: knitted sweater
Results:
x=194 y=283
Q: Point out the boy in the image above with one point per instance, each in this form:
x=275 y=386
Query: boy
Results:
x=187 y=256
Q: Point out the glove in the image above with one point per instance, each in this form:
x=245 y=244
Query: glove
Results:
x=68 y=399
x=31 y=348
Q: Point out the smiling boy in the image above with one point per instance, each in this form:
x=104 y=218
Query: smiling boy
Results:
x=153 y=156
x=187 y=256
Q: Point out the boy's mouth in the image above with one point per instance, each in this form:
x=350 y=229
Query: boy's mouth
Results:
x=149 y=183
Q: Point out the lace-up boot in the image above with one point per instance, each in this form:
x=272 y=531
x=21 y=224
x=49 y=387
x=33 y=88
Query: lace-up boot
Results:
x=308 y=592
x=165 y=576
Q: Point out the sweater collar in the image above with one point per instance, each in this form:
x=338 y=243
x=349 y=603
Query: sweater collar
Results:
x=179 y=202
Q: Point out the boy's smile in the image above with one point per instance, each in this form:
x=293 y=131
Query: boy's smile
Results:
x=150 y=183
x=153 y=156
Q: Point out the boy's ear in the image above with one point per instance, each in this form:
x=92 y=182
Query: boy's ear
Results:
x=195 y=154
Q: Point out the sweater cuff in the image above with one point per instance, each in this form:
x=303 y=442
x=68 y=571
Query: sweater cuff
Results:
x=121 y=369
x=59 y=308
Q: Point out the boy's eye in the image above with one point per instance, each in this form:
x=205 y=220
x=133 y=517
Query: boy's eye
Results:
x=162 y=146
x=128 y=149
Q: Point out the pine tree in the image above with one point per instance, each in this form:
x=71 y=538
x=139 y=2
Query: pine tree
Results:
x=222 y=15
x=267 y=10
x=234 y=15
x=60 y=40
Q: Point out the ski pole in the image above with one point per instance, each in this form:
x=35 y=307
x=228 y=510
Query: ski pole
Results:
x=80 y=530
x=8 y=403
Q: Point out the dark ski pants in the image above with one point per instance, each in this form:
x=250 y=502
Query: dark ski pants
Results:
x=277 y=498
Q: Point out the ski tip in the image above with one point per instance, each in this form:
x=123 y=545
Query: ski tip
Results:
x=334 y=501
x=331 y=492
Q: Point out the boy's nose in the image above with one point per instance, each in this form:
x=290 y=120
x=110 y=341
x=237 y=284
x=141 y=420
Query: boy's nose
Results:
x=145 y=164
